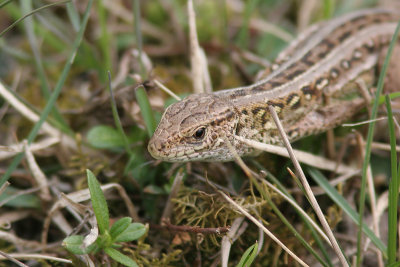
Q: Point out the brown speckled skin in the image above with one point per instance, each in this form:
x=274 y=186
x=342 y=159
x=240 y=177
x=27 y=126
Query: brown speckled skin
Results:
x=311 y=85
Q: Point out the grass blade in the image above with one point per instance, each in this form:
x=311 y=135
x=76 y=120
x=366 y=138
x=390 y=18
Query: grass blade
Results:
x=342 y=203
x=104 y=39
x=117 y=120
x=26 y=7
x=248 y=256
x=54 y=95
x=73 y=16
x=314 y=233
x=140 y=93
x=393 y=188
x=369 y=142
x=243 y=36
x=30 y=13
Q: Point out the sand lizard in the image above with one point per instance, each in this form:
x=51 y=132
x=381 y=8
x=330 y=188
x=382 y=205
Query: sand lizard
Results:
x=311 y=85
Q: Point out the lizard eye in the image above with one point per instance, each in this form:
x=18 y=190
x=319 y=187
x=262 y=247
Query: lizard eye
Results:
x=199 y=134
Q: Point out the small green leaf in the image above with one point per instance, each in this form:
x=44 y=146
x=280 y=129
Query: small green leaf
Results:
x=74 y=244
x=121 y=258
x=248 y=256
x=103 y=136
x=119 y=226
x=133 y=232
x=99 y=203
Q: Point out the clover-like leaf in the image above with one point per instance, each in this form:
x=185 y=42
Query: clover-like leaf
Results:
x=74 y=244
x=99 y=203
x=133 y=232
x=119 y=226
x=119 y=257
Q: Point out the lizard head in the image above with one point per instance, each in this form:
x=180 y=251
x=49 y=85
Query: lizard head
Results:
x=195 y=129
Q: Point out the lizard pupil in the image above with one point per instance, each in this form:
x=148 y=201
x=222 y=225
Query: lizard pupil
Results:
x=199 y=134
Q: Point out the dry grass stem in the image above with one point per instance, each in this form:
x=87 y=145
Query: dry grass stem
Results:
x=249 y=56
x=32 y=116
x=363 y=88
x=265 y=230
x=266 y=27
x=248 y=172
x=144 y=59
x=206 y=74
x=7 y=218
x=18 y=242
x=237 y=228
x=382 y=146
x=37 y=173
x=304 y=157
x=165 y=89
x=302 y=211
x=3 y=187
x=10 y=151
x=238 y=159
x=12 y=259
x=305 y=13
x=382 y=204
x=166 y=215
x=28 y=256
x=363 y=122
x=334 y=182
x=308 y=190
x=25 y=111
x=215 y=185
x=62 y=223
x=196 y=58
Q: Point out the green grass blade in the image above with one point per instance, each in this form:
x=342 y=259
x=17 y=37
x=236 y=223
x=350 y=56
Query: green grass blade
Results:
x=104 y=39
x=393 y=188
x=287 y=223
x=26 y=7
x=297 y=234
x=328 y=8
x=145 y=110
x=29 y=14
x=141 y=96
x=73 y=16
x=382 y=99
x=243 y=35
x=117 y=121
x=369 y=142
x=138 y=33
x=54 y=95
x=248 y=256
x=344 y=205
x=314 y=233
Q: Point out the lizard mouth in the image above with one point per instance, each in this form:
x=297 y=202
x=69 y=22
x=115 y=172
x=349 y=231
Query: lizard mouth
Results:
x=154 y=149
x=158 y=151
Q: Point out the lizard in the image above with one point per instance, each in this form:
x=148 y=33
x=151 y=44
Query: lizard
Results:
x=312 y=86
